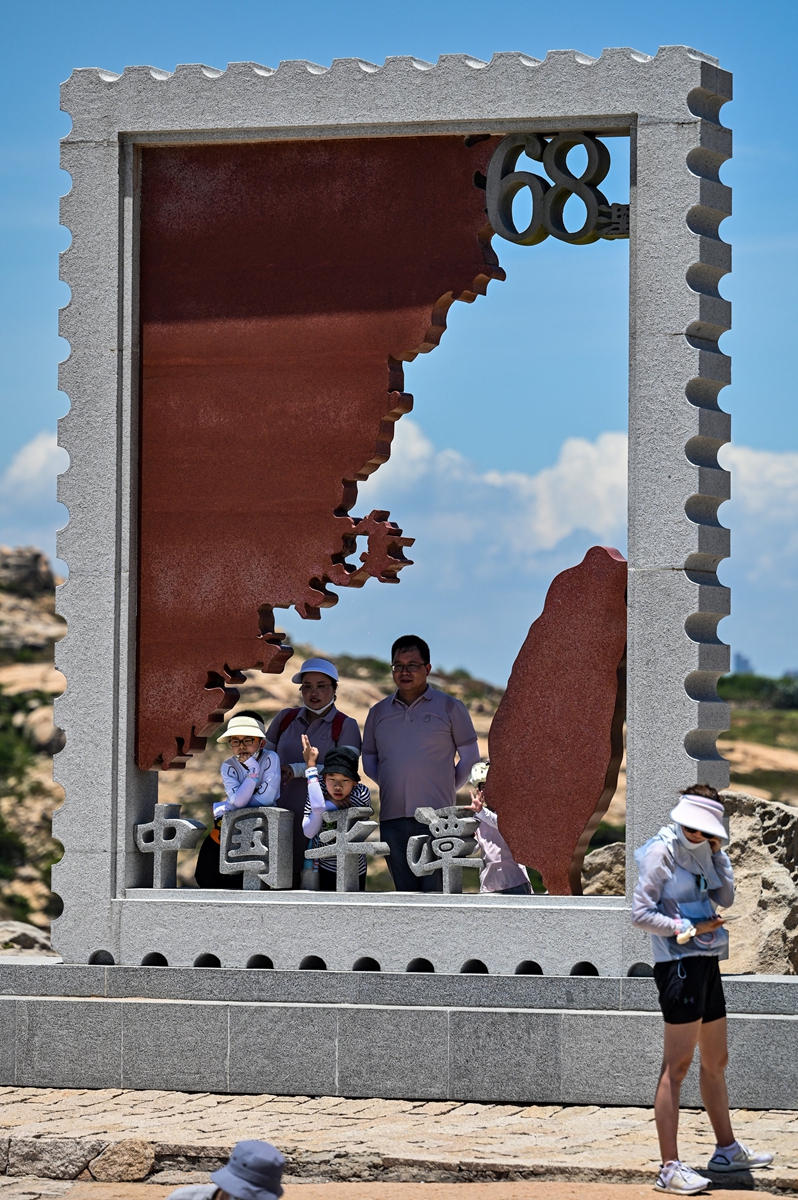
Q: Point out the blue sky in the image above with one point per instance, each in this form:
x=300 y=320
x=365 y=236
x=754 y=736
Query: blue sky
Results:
x=525 y=398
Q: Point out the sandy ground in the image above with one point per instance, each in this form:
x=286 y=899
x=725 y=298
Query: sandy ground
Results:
x=31 y=677
x=752 y=756
x=26 y=1189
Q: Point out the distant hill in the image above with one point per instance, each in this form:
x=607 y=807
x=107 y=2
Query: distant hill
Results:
x=759 y=691
x=764 y=713
x=476 y=694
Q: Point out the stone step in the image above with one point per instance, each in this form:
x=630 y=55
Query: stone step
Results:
x=115 y=1137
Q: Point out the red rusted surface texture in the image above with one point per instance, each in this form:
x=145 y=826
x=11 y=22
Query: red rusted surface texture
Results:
x=282 y=286
x=556 y=742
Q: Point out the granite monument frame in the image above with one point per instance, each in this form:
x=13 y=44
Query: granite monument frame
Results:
x=668 y=105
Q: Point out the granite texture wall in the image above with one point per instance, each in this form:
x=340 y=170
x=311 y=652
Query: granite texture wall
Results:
x=669 y=106
x=394 y=929
x=571 y=1041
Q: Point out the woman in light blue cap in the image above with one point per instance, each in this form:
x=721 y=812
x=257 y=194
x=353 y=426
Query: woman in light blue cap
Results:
x=326 y=728
x=254 y=1172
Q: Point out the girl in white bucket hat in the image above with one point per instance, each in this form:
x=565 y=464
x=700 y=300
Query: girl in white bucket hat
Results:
x=251 y=778
x=684 y=873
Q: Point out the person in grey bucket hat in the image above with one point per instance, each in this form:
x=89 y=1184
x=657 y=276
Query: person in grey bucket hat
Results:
x=253 y=1172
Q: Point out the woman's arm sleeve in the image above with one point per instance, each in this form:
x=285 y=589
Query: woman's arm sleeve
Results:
x=350 y=735
x=654 y=873
x=273 y=732
x=239 y=792
x=724 y=895
x=488 y=816
x=271 y=777
x=312 y=821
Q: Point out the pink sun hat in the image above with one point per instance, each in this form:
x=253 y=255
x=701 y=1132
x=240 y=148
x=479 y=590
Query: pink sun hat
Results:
x=698 y=812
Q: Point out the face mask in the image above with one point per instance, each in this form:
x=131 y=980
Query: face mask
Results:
x=316 y=711
x=698 y=848
x=700 y=858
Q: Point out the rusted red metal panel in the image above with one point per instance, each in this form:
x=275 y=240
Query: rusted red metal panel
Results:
x=282 y=286
x=556 y=742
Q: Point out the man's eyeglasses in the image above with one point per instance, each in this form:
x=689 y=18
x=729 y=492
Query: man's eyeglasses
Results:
x=397 y=667
x=243 y=743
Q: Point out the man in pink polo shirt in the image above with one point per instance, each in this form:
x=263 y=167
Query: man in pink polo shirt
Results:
x=409 y=747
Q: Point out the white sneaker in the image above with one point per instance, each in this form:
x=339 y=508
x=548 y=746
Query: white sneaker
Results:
x=680 y=1180
x=741 y=1159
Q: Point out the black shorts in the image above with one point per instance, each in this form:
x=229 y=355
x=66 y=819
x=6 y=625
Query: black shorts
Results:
x=690 y=989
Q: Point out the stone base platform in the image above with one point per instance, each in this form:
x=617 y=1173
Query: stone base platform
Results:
x=491 y=1039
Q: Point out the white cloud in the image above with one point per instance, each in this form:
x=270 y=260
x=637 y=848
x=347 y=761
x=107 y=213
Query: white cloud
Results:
x=29 y=512
x=510 y=512
x=763 y=517
x=489 y=542
x=31 y=474
x=412 y=454
x=764 y=481
x=585 y=489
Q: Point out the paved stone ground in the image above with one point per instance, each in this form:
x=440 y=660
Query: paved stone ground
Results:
x=45 y=1189
x=376 y=1143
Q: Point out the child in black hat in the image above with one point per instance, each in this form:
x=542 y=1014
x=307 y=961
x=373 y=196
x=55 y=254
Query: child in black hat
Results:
x=339 y=786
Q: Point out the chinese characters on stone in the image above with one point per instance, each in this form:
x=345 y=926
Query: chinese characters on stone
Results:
x=346 y=843
x=162 y=837
x=255 y=842
x=448 y=847
x=259 y=843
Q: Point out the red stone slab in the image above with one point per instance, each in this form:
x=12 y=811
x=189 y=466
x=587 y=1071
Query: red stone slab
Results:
x=556 y=742
x=282 y=286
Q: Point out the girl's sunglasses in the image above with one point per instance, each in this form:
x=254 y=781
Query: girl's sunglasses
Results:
x=687 y=829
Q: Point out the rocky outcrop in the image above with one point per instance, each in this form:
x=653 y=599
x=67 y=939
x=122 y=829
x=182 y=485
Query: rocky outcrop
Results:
x=28 y=624
x=763 y=851
x=18 y=936
x=52 y=1158
x=129 y=1160
x=604 y=871
x=25 y=571
x=41 y=731
x=26 y=809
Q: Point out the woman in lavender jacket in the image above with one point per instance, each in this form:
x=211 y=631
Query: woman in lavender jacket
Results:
x=684 y=873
